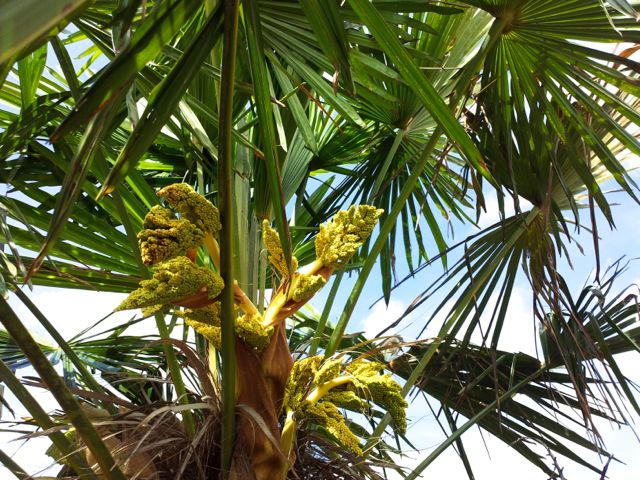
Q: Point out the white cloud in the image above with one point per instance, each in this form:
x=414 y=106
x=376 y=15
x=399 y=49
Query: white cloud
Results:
x=519 y=332
x=72 y=311
x=381 y=316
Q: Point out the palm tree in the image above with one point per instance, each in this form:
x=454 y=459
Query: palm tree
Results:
x=290 y=112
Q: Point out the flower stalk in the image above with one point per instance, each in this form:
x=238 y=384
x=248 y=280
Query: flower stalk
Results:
x=320 y=391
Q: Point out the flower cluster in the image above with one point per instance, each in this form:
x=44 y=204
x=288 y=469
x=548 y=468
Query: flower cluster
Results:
x=251 y=328
x=172 y=282
x=336 y=243
x=382 y=390
x=205 y=321
x=164 y=236
x=192 y=206
x=317 y=388
x=271 y=240
x=306 y=286
x=169 y=242
x=339 y=239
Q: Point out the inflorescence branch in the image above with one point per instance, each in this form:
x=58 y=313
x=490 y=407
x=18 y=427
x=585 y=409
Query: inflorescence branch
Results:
x=319 y=387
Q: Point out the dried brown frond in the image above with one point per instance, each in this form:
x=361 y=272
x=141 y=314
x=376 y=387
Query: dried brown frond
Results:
x=149 y=442
x=320 y=459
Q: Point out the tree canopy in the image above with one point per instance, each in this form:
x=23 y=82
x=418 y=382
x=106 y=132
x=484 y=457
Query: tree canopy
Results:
x=328 y=137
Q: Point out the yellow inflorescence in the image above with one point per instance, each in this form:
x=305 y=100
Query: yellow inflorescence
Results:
x=172 y=281
x=306 y=286
x=271 y=240
x=209 y=314
x=381 y=389
x=346 y=399
x=327 y=416
x=300 y=379
x=205 y=321
x=339 y=239
x=212 y=333
x=252 y=330
x=165 y=240
x=317 y=388
x=328 y=370
x=192 y=206
x=165 y=237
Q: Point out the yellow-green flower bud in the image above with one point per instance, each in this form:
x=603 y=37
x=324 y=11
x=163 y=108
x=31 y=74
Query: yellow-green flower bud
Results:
x=153 y=309
x=209 y=314
x=159 y=217
x=271 y=240
x=339 y=239
x=346 y=399
x=205 y=321
x=253 y=331
x=249 y=328
x=173 y=281
x=354 y=386
x=212 y=333
x=328 y=370
x=306 y=286
x=327 y=416
x=165 y=237
x=192 y=206
x=382 y=390
x=300 y=380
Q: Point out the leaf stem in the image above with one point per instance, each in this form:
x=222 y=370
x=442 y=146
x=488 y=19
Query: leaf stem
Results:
x=77 y=461
x=243 y=300
x=64 y=346
x=239 y=295
x=176 y=374
x=271 y=314
x=287 y=437
x=12 y=466
x=60 y=392
x=213 y=248
x=322 y=323
x=225 y=200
